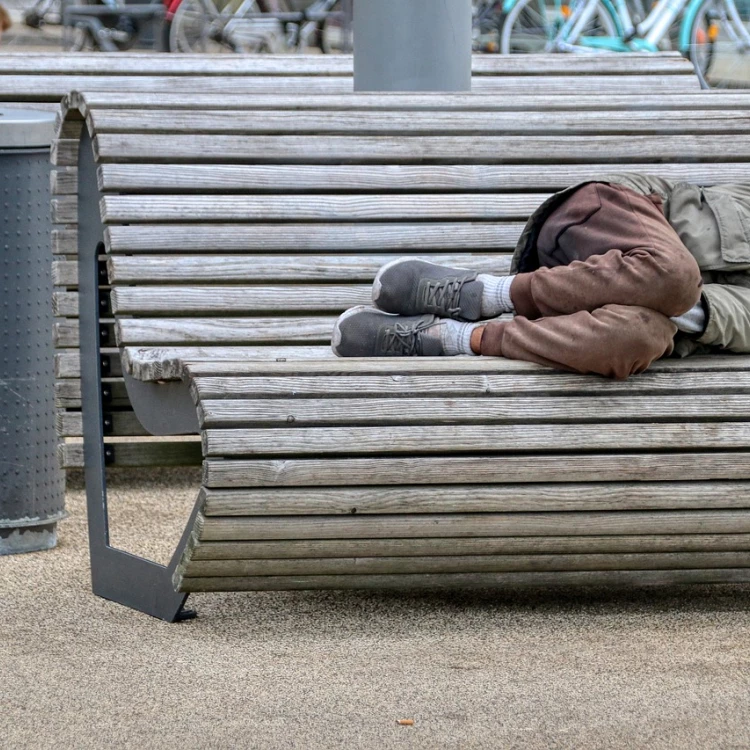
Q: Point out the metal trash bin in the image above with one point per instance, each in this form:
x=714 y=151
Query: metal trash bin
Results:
x=32 y=486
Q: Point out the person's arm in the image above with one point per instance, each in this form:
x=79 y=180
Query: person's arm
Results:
x=728 y=317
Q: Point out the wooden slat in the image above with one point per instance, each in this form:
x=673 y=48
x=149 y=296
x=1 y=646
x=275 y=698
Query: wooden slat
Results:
x=452 y=469
x=474 y=525
x=412 y=207
x=424 y=123
x=415 y=440
x=282 y=65
x=204 y=178
x=563 y=100
x=476 y=498
x=238 y=299
x=64 y=181
x=219 y=413
x=465 y=564
x=536 y=383
x=68 y=393
x=222 y=330
x=31 y=87
x=132 y=454
x=529 y=149
x=322 y=548
x=165 y=363
x=170 y=363
x=144 y=269
x=65 y=304
x=468 y=580
x=68 y=363
x=301 y=238
x=64 y=209
x=65 y=273
x=70 y=424
x=202 y=366
x=64 y=241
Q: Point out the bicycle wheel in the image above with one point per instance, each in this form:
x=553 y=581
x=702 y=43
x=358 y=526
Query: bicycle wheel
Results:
x=719 y=44
x=531 y=25
x=199 y=26
x=335 y=38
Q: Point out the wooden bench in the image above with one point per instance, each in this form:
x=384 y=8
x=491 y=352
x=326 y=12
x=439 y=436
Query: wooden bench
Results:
x=153 y=82
x=233 y=247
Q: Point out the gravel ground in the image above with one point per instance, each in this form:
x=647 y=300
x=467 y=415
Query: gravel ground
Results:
x=650 y=668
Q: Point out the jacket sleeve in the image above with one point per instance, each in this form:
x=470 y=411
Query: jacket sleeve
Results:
x=728 y=325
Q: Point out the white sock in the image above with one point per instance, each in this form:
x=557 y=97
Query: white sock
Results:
x=454 y=335
x=496 y=295
x=693 y=321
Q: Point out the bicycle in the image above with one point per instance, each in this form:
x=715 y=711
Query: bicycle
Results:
x=712 y=33
x=243 y=26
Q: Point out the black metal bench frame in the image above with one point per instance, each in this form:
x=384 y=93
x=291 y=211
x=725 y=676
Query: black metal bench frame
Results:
x=117 y=575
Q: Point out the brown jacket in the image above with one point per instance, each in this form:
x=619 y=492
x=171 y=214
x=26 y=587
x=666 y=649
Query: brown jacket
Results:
x=713 y=223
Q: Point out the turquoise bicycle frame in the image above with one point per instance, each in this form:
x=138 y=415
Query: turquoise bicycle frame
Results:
x=618 y=43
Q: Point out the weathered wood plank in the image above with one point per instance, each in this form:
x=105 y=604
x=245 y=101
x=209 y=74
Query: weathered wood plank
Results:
x=165 y=300
x=465 y=564
x=64 y=152
x=29 y=87
x=165 y=363
x=315 y=65
x=64 y=181
x=170 y=363
x=322 y=548
x=65 y=273
x=204 y=178
x=477 y=498
x=203 y=366
x=529 y=149
x=64 y=209
x=300 y=238
x=416 y=441
x=143 y=453
x=145 y=269
x=493 y=469
x=68 y=363
x=65 y=304
x=438 y=410
x=70 y=424
x=68 y=393
x=412 y=207
x=222 y=330
x=64 y=241
x=457 y=102
x=542 y=383
x=468 y=580
x=474 y=525
x=424 y=123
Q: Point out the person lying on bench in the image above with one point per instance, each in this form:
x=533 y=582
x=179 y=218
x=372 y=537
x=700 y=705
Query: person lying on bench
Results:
x=607 y=277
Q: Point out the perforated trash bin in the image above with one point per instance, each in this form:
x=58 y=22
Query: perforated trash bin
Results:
x=32 y=493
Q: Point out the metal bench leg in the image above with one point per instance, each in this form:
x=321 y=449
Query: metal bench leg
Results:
x=117 y=575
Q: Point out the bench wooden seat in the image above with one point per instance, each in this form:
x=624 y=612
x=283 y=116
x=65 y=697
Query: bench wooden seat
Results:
x=230 y=255
x=331 y=225
x=151 y=84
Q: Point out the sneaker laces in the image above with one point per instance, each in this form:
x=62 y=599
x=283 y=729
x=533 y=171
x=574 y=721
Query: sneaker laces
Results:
x=442 y=296
x=405 y=339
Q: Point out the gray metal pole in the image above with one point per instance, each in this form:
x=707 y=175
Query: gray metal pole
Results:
x=412 y=45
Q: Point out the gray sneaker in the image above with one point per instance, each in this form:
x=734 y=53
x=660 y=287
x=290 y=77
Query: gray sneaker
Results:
x=367 y=332
x=408 y=286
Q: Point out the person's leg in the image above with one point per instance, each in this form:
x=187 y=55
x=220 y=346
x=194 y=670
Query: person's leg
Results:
x=604 y=245
x=613 y=340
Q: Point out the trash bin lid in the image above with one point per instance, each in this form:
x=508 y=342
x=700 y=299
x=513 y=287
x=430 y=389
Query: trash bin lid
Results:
x=26 y=128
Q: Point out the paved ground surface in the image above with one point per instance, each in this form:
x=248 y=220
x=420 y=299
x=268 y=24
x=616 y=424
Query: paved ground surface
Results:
x=596 y=669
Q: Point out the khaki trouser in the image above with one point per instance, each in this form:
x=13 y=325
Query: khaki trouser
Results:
x=613 y=273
